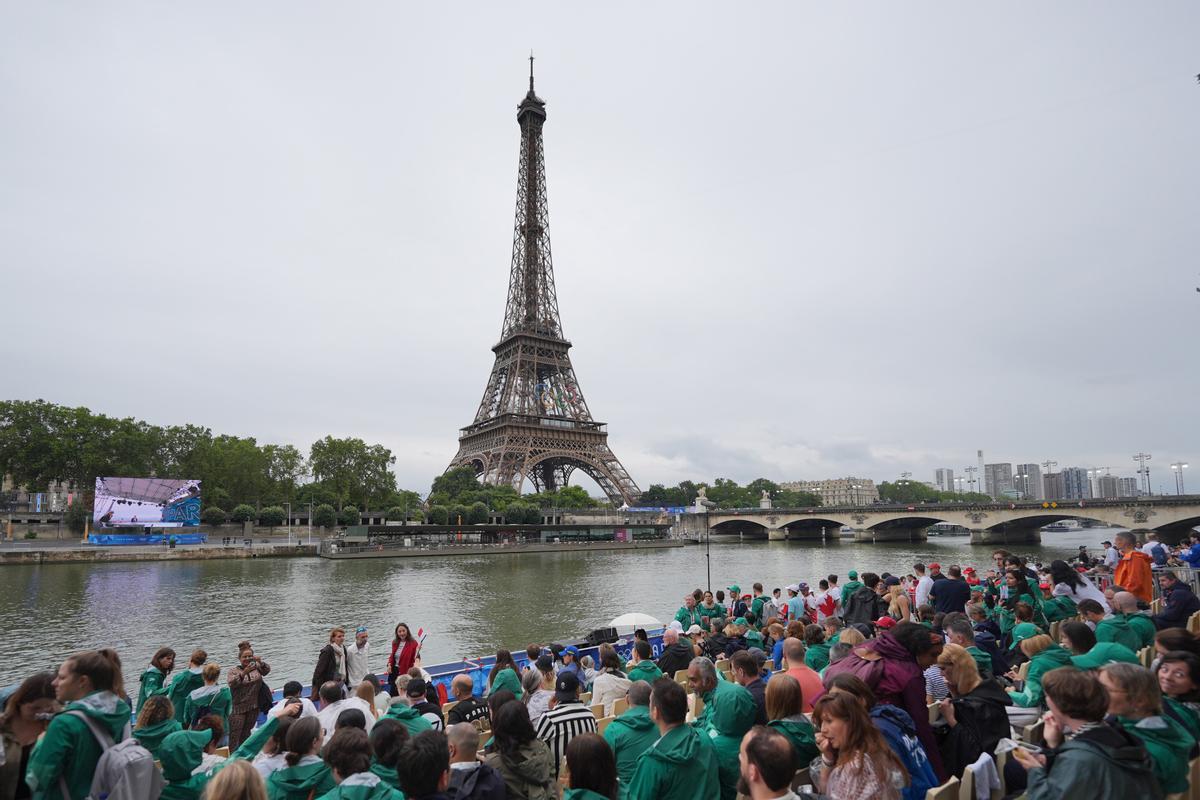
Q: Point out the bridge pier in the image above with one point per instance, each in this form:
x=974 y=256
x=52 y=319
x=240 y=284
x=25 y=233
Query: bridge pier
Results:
x=891 y=535
x=1006 y=535
x=777 y=535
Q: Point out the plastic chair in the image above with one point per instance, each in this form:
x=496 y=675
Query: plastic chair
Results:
x=602 y=723
x=947 y=791
x=597 y=710
x=620 y=707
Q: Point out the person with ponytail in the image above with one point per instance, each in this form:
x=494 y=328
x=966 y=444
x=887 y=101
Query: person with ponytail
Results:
x=155 y=722
x=208 y=699
x=155 y=677
x=305 y=775
x=67 y=754
x=182 y=754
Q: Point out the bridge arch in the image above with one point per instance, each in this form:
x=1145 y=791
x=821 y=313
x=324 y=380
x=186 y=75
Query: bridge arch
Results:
x=740 y=527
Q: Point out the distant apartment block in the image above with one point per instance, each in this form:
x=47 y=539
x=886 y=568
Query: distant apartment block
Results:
x=943 y=479
x=838 y=491
x=1028 y=481
x=997 y=480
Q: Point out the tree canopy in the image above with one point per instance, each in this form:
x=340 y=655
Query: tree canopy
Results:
x=906 y=491
x=727 y=493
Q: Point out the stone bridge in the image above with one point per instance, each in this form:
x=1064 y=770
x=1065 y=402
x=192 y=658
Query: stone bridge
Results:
x=995 y=523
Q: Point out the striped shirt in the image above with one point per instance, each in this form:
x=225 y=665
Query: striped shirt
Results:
x=935 y=684
x=562 y=723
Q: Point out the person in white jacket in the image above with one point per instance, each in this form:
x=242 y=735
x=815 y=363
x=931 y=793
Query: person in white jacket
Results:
x=358 y=658
x=924 y=585
x=333 y=704
x=291 y=691
x=610 y=684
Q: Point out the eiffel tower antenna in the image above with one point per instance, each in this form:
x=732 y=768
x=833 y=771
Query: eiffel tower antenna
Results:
x=533 y=422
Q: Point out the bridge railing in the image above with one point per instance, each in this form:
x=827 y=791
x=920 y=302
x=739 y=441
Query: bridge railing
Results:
x=1187 y=575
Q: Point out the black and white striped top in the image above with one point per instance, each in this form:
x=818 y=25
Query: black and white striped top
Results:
x=562 y=723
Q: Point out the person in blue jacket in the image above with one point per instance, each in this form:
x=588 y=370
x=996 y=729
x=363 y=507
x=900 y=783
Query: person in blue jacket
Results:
x=900 y=732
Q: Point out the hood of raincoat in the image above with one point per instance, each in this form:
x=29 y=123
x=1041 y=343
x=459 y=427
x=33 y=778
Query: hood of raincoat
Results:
x=181 y=752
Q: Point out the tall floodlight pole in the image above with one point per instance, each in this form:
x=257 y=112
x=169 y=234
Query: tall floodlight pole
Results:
x=1143 y=470
x=1178 y=467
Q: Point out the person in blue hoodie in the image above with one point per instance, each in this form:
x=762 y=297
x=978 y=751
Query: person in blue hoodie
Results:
x=900 y=732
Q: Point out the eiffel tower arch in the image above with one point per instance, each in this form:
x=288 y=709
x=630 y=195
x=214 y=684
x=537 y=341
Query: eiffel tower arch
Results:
x=533 y=422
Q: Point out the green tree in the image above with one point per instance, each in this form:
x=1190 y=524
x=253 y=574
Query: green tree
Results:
x=439 y=515
x=285 y=466
x=522 y=513
x=213 y=515
x=453 y=485
x=396 y=514
x=349 y=516
x=243 y=513
x=325 y=516
x=458 y=514
x=76 y=517
x=352 y=469
x=477 y=514
x=272 y=516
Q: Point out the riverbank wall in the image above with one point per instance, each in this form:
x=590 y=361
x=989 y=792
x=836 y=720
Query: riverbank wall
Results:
x=88 y=554
x=495 y=549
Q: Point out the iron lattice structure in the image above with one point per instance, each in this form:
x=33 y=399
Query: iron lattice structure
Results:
x=533 y=421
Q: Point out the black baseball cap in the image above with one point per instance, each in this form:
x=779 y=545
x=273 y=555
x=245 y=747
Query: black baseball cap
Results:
x=566 y=687
x=416 y=688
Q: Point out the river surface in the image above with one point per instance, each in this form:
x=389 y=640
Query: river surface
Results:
x=467 y=605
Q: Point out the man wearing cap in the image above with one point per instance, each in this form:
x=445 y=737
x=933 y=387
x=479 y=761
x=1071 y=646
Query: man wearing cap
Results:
x=737 y=605
x=794 y=605
x=416 y=692
x=570 y=661
x=566 y=719
x=358 y=658
x=851 y=586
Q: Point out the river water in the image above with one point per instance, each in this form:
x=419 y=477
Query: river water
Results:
x=467 y=605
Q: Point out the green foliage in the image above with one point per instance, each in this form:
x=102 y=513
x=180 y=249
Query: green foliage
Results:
x=458 y=514
x=566 y=497
x=395 y=514
x=906 y=491
x=438 y=515
x=243 y=513
x=272 y=516
x=76 y=517
x=349 y=516
x=41 y=443
x=30 y=534
x=325 y=516
x=727 y=493
x=522 y=513
x=477 y=514
x=213 y=516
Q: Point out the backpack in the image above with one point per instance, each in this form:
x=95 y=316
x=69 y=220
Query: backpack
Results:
x=200 y=713
x=265 y=699
x=125 y=771
x=1159 y=553
x=869 y=670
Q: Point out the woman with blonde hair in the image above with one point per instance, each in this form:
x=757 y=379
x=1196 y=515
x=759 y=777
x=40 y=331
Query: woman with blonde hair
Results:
x=899 y=606
x=785 y=713
x=238 y=781
x=365 y=691
x=856 y=762
x=852 y=637
x=976 y=713
x=208 y=699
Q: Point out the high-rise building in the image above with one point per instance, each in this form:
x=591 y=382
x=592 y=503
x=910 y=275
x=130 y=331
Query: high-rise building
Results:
x=943 y=479
x=1028 y=481
x=1129 y=487
x=1075 y=484
x=997 y=479
x=1052 y=483
x=1107 y=487
x=838 y=491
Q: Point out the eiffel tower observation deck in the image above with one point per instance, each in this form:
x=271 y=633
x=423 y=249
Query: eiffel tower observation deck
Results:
x=533 y=422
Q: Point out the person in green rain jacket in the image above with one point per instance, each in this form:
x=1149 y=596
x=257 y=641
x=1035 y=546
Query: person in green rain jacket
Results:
x=631 y=734
x=155 y=722
x=681 y=765
x=86 y=684
x=504 y=675
x=183 y=751
x=1125 y=605
x=713 y=690
x=407 y=716
x=1044 y=655
x=1060 y=608
x=729 y=721
x=644 y=668
x=785 y=712
x=387 y=742
x=306 y=774
x=210 y=698
x=152 y=679
x=185 y=682
x=1135 y=699
x=348 y=755
x=816 y=649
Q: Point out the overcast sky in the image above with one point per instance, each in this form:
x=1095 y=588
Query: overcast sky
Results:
x=794 y=240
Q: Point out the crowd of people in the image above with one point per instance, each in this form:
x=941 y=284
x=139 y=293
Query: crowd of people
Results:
x=824 y=692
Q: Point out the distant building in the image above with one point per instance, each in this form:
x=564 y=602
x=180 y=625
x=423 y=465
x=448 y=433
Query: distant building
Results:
x=943 y=479
x=1028 y=481
x=1108 y=487
x=1129 y=487
x=54 y=498
x=1076 y=485
x=838 y=491
x=1052 y=484
x=997 y=480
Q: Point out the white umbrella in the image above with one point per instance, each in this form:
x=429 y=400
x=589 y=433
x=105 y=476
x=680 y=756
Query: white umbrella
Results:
x=628 y=623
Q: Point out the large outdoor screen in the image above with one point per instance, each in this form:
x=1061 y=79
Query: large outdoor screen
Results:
x=146 y=502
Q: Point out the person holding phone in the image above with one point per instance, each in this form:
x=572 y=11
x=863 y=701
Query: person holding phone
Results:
x=1082 y=751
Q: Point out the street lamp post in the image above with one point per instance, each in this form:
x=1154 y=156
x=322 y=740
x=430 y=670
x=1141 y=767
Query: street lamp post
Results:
x=1143 y=470
x=289 y=523
x=1178 y=467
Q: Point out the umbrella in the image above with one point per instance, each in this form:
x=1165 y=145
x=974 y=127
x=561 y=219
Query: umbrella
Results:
x=628 y=623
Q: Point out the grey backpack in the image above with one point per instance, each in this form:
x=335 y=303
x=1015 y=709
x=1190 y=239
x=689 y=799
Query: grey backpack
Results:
x=125 y=771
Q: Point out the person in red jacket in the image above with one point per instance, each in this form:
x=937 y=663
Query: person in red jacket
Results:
x=406 y=653
x=1133 y=569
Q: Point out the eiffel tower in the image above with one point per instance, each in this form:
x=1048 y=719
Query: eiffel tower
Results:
x=533 y=421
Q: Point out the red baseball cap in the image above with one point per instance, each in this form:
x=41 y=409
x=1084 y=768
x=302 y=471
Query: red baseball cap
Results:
x=885 y=622
x=935 y=565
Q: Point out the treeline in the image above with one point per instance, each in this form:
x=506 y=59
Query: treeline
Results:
x=906 y=491
x=42 y=443
x=727 y=494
